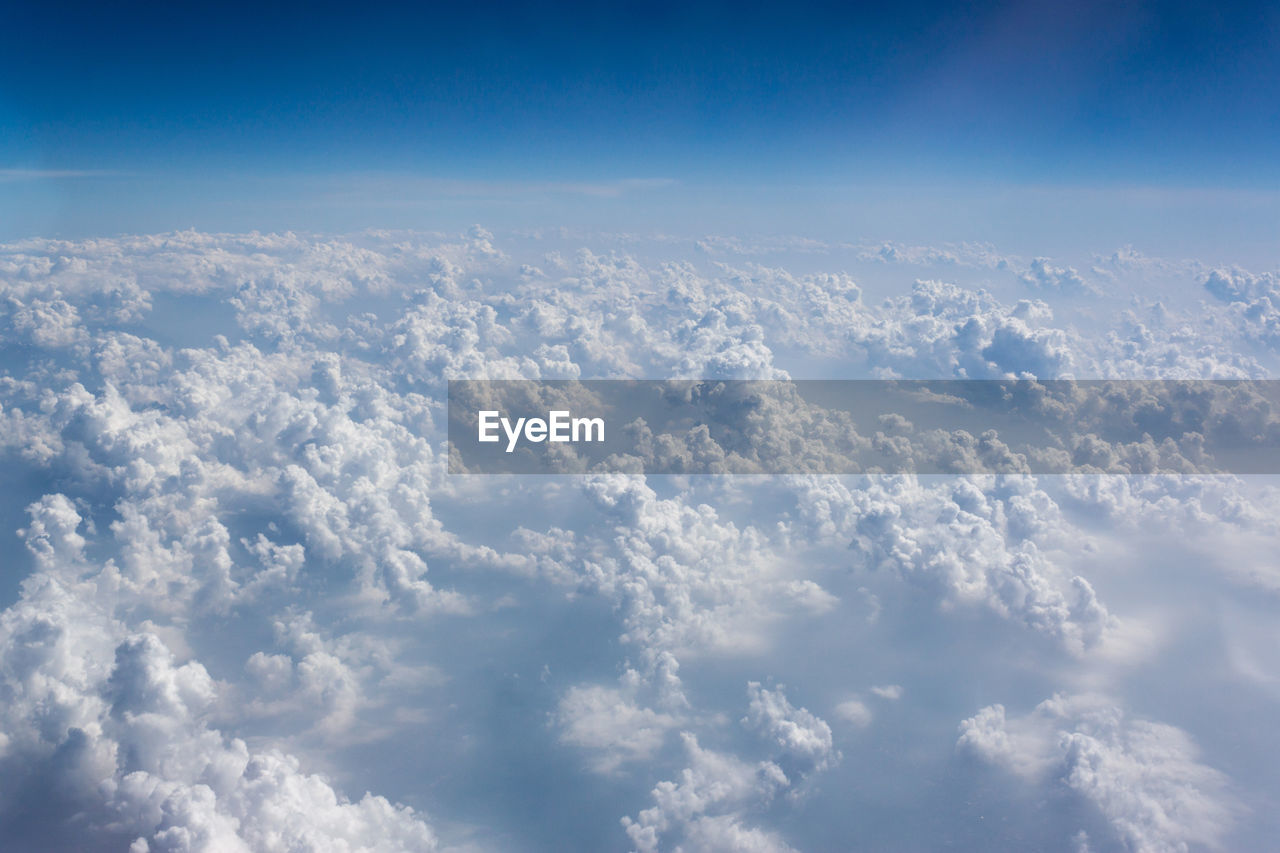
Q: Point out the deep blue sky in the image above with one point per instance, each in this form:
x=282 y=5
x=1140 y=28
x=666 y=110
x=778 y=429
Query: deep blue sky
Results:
x=1170 y=94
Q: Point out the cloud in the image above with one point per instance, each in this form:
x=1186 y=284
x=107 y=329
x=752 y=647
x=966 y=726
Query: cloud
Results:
x=686 y=581
x=1254 y=301
x=978 y=255
x=47 y=323
x=610 y=722
x=1144 y=777
x=803 y=737
x=854 y=711
x=707 y=806
x=973 y=546
x=603 y=718
x=249 y=588
x=1042 y=275
x=104 y=735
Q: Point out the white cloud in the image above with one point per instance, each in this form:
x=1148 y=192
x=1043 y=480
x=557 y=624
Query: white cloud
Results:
x=1043 y=275
x=603 y=718
x=855 y=712
x=707 y=806
x=976 y=546
x=117 y=738
x=803 y=737
x=1144 y=777
x=610 y=721
x=251 y=580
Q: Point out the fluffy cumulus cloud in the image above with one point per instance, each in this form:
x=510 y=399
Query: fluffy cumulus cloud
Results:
x=106 y=736
x=615 y=723
x=1145 y=777
x=803 y=738
x=707 y=807
x=249 y=608
x=967 y=545
x=1043 y=275
x=1254 y=300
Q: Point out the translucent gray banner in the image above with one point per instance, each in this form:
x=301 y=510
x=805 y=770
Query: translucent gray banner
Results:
x=864 y=426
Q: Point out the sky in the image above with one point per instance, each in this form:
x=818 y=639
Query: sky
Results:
x=248 y=606
x=121 y=118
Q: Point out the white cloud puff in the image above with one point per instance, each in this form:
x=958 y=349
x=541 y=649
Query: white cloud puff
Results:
x=113 y=739
x=707 y=807
x=974 y=546
x=1144 y=777
x=613 y=723
x=803 y=737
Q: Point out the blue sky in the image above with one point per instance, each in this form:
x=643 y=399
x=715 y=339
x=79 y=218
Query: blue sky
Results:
x=1170 y=94
x=562 y=87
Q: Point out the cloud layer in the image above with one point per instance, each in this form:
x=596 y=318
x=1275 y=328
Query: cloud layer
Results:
x=250 y=608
